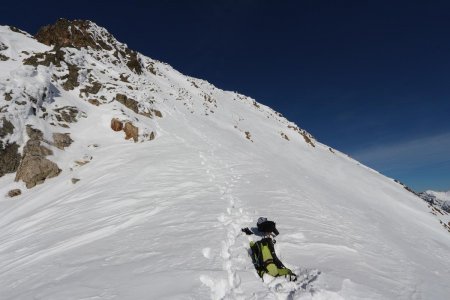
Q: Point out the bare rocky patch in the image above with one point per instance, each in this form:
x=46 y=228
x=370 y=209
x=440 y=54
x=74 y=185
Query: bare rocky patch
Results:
x=6 y=127
x=54 y=57
x=284 y=136
x=9 y=158
x=14 y=193
x=131 y=131
x=306 y=136
x=3 y=46
x=248 y=136
x=3 y=57
x=116 y=125
x=71 y=78
x=128 y=102
x=94 y=102
x=68 y=114
x=34 y=167
x=91 y=89
x=61 y=140
x=80 y=34
x=8 y=96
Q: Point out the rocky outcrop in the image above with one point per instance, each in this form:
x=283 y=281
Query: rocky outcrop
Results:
x=71 y=78
x=62 y=140
x=34 y=167
x=131 y=131
x=76 y=34
x=157 y=113
x=34 y=170
x=14 y=193
x=91 y=89
x=116 y=125
x=8 y=96
x=6 y=128
x=248 y=136
x=306 y=136
x=446 y=206
x=85 y=34
x=94 y=102
x=9 y=155
x=3 y=46
x=128 y=102
x=54 y=57
x=9 y=158
x=149 y=137
x=2 y=56
x=284 y=136
x=67 y=114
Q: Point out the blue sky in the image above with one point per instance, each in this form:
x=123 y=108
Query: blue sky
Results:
x=370 y=78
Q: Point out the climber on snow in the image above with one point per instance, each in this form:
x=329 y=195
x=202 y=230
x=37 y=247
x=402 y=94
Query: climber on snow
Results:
x=263 y=253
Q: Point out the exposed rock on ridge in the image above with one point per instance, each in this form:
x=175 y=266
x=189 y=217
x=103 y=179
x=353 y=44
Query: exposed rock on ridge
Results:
x=35 y=168
x=86 y=34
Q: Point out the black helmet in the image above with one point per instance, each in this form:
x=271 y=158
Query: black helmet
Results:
x=266 y=226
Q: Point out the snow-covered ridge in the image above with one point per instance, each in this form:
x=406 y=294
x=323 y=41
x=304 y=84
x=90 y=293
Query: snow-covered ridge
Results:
x=88 y=65
x=151 y=174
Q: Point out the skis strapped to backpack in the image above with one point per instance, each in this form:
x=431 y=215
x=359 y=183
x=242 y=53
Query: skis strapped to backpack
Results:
x=266 y=261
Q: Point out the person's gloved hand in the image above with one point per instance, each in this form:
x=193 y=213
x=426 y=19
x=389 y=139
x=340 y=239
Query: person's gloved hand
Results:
x=247 y=231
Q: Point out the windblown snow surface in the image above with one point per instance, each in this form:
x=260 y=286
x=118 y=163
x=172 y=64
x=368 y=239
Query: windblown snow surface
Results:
x=162 y=219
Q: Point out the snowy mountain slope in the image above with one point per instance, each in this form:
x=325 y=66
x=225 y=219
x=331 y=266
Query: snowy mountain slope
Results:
x=439 y=204
x=443 y=196
x=161 y=218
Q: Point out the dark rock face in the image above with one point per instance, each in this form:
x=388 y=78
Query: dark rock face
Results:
x=91 y=89
x=6 y=128
x=54 y=57
x=34 y=167
x=9 y=158
x=133 y=62
x=34 y=134
x=8 y=96
x=9 y=155
x=150 y=136
x=446 y=206
x=14 y=193
x=67 y=114
x=71 y=78
x=2 y=56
